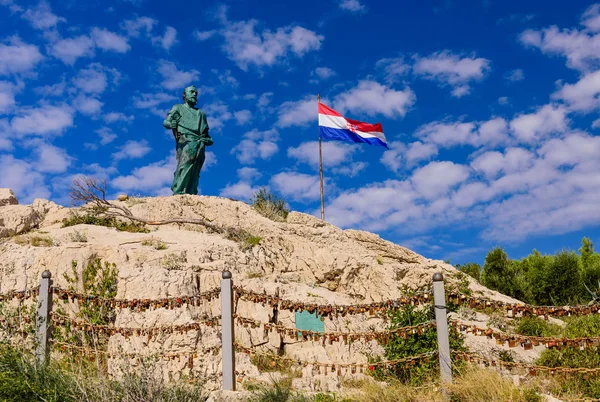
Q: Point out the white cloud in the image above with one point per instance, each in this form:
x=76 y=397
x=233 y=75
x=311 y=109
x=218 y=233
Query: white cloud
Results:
x=580 y=47
x=114 y=117
x=52 y=159
x=445 y=134
x=515 y=75
x=297 y=113
x=249 y=174
x=256 y=145
x=43 y=121
x=583 y=95
x=135 y=27
x=503 y=100
x=226 y=78
x=241 y=190
x=297 y=186
x=324 y=72
x=401 y=154
x=174 y=78
x=334 y=153
x=150 y=101
x=372 y=98
x=57 y=89
x=571 y=150
x=167 y=40
x=218 y=114
x=394 y=68
x=242 y=116
x=41 y=16
x=548 y=119
x=150 y=179
x=23 y=179
x=7 y=97
x=246 y=46
x=353 y=6
x=94 y=79
x=264 y=100
x=17 y=57
x=106 y=135
x=489 y=163
x=87 y=105
x=132 y=150
x=70 y=49
x=591 y=18
x=109 y=41
x=204 y=35
x=451 y=69
x=437 y=178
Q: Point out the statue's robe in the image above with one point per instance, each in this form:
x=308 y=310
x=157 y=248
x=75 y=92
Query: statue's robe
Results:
x=193 y=138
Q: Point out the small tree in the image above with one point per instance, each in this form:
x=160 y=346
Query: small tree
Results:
x=472 y=269
x=496 y=271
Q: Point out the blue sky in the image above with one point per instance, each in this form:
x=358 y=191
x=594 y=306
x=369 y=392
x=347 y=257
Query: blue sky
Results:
x=490 y=109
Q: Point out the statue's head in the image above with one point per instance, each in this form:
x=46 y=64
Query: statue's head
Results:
x=190 y=95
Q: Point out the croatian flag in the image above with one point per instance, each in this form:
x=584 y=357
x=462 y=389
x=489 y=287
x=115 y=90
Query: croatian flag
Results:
x=333 y=126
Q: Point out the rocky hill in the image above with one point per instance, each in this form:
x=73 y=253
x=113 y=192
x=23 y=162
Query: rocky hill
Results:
x=301 y=258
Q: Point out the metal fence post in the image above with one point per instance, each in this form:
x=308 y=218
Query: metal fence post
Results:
x=227 y=336
x=43 y=318
x=441 y=320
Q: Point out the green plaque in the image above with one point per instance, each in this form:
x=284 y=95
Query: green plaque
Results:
x=309 y=322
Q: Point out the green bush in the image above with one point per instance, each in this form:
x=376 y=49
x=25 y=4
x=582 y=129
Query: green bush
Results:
x=472 y=269
x=572 y=383
x=269 y=205
x=535 y=326
x=584 y=326
x=105 y=221
x=23 y=381
x=415 y=344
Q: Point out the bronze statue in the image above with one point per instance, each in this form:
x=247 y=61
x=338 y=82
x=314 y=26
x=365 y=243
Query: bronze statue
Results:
x=190 y=129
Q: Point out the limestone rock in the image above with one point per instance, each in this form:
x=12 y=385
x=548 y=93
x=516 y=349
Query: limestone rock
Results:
x=16 y=219
x=303 y=259
x=7 y=197
x=43 y=207
x=122 y=197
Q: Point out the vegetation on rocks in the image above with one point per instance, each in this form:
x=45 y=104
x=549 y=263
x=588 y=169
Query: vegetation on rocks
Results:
x=269 y=205
x=110 y=222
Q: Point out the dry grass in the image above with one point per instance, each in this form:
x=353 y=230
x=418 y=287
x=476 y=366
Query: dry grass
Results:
x=487 y=385
x=396 y=392
x=474 y=385
x=34 y=240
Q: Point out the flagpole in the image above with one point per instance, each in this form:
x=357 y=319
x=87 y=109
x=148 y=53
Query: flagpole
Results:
x=321 y=169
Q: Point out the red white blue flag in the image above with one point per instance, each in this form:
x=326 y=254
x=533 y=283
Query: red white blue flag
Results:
x=333 y=126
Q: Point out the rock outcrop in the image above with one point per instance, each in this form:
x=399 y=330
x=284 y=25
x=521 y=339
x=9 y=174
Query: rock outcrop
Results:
x=7 y=197
x=303 y=259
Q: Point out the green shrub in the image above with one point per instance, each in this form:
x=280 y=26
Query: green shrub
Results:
x=415 y=344
x=584 y=326
x=574 y=357
x=472 y=269
x=269 y=205
x=105 y=221
x=535 y=326
x=21 y=380
x=96 y=279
